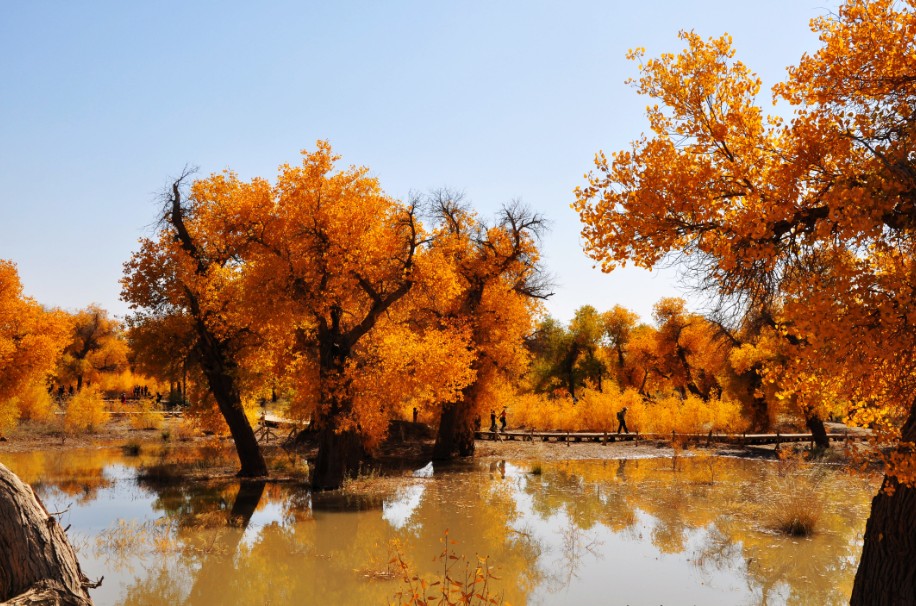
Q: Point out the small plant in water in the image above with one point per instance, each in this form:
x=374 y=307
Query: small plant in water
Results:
x=131 y=449
x=796 y=504
x=459 y=583
x=536 y=469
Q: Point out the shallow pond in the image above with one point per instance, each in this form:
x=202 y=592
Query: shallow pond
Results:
x=685 y=530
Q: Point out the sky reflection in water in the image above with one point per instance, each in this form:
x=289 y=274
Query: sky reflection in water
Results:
x=691 y=530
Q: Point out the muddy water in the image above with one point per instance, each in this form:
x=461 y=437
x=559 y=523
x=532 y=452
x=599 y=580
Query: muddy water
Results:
x=690 y=530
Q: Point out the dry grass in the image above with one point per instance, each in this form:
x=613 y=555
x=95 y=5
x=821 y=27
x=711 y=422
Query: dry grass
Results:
x=796 y=504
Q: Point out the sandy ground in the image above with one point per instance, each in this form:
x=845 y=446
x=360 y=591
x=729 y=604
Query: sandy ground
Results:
x=49 y=436
x=560 y=451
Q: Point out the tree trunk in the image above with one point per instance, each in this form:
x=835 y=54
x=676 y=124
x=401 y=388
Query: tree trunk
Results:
x=887 y=570
x=246 y=443
x=220 y=372
x=759 y=414
x=756 y=408
x=37 y=563
x=340 y=455
x=818 y=431
x=455 y=437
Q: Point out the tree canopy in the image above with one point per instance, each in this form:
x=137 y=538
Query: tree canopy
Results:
x=811 y=219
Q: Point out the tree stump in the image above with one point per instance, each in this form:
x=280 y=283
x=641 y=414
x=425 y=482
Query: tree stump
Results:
x=37 y=564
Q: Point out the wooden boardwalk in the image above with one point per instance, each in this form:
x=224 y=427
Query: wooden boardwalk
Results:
x=743 y=439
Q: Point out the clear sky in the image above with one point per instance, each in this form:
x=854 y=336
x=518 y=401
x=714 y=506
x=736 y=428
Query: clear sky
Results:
x=101 y=102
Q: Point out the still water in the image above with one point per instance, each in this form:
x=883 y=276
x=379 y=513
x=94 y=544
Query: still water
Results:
x=686 y=530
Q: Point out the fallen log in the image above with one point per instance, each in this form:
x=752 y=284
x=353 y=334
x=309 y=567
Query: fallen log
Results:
x=37 y=563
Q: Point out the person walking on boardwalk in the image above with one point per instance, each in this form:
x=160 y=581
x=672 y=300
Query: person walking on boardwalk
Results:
x=502 y=420
x=622 y=420
x=492 y=421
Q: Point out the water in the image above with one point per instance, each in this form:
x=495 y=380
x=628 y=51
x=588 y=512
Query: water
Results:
x=689 y=530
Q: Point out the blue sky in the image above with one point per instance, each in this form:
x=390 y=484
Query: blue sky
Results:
x=103 y=101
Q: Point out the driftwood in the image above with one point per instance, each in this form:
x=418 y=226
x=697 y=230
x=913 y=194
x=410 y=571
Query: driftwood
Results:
x=37 y=564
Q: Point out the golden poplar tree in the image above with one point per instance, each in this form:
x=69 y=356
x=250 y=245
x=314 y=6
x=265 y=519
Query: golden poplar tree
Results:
x=815 y=217
x=31 y=341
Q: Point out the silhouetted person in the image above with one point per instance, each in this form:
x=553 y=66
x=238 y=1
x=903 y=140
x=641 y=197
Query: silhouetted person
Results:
x=158 y=398
x=622 y=420
x=415 y=412
x=492 y=421
x=502 y=420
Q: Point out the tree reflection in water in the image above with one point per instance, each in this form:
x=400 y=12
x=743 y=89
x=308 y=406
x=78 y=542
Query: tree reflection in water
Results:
x=718 y=513
x=576 y=531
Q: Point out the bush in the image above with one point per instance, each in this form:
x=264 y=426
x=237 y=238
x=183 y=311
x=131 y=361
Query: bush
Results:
x=147 y=417
x=9 y=415
x=35 y=404
x=86 y=411
x=597 y=411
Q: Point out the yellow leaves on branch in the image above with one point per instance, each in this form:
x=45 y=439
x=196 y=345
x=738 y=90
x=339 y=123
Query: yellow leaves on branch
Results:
x=810 y=222
x=326 y=286
x=31 y=340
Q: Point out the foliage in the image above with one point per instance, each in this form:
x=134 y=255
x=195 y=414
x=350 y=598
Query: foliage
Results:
x=96 y=346
x=35 y=404
x=85 y=411
x=147 y=416
x=30 y=342
x=597 y=411
x=809 y=221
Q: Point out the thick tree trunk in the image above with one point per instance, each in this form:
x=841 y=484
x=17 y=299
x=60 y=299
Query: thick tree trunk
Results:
x=340 y=455
x=887 y=570
x=37 y=563
x=455 y=437
x=818 y=431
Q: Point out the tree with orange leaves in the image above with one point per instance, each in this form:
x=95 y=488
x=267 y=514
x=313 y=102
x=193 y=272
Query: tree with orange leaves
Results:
x=31 y=341
x=336 y=265
x=496 y=280
x=97 y=345
x=815 y=217
x=192 y=269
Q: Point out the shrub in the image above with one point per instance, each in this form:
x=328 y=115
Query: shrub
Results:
x=9 y=415
x=461 y=582
x=35 y=404
x=147 y=417
x=86 y=411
